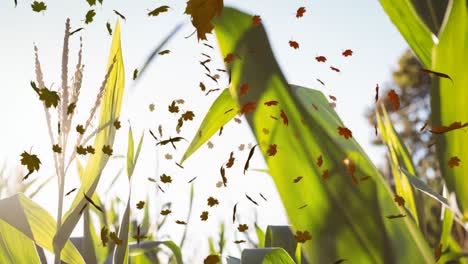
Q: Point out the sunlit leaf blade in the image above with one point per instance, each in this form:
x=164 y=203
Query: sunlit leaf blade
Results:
x=216 y=117
x=89 y=246
x=400 y=158
x=448 y=100
x=260 y=236
x=404 y=16
x=145 y=246
x=447 y=223
x=281 y=237
x=266 y=256
x=110 y=110
x=337 y=202
x=36 y=223
x=15 y=247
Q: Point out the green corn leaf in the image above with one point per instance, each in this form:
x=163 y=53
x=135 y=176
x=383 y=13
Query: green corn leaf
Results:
x=145 y=246
x=15 y=247
x=266 y=256
x=36 y=223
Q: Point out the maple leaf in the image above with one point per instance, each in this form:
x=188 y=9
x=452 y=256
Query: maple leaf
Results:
x=298 y=179
x=248 y=107
x=209 y=144
x=117 y=124
x=91 y=2
x=284 y=117
x=230 y=162
x=31 y=161
x=334 y=69
x=241 y=147
x=300 y=12
x=229 y=58
x=399 y=200
x=321 y=58
x=444 y=129
x=140 y=205
x=394 y=99
x=179 y=222
x=189 y=115
x=271 y=103
x=115 y=238
x=71 y=108
x=302 y=236
x=104 y=238
x=272 y=150
x=164 y=52
x=202 y=13
x=90 y=149
x=454 y=162
x=332 y=97
x=80 y=150
x=347 y=53
x=56 y=148
x=80 y=129
x=90 y=16
x=168 y=156
x=345 y=132
x=166 y=212
x=293 y=44
x=204 y=216
x=107 y=150
x=50 y=98
x=212 y=201
x=173 y=108
x=256 y=20
x=109 y=30
x=151 y=107
x=244 y=89
x=319 y=161
x=202 y=87
x=212 y=259
x=165 y=178
x=159 y=10
x=38 y=6
x=242 y=227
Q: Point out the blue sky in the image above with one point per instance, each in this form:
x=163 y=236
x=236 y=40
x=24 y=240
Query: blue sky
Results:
x=327 y=28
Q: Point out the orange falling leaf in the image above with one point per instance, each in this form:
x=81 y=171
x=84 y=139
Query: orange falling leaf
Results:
x=321 y=58
x=212 y=201
x=444 y=129
x=399 y=200
x=300 y=12
x=394 y=99
x=293 y=44
x=345 y=132
x=302 y=236
x=332 y=97
x=284 y=117
x=243 y=89
x=242 y=227
x=319 y=161
x=248 y=107
x=256 y=20
x=229 y=58
x=334 y=69
x=454 y=162
x=271 y=103
x=347 y=53
x=165 y=212
x=272 y=150
x=204 y=216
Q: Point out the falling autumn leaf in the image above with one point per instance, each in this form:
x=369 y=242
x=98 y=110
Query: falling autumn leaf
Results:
x=165 y=212
x=345 y=132
x=394 y=99
x=212 y=201
x=229 y=58
x=395 y=216
x=298 y=179
x=71 y=191
x=376 y=92
x=234 y=210
x=117 y=124
x=90 y=16
x=239 y=241
x=92 y=202
x=248 y=107
x=246 y=166
x=293 y=44
x=56 y=148
x=120 y=14
x=90 y=149
x=38 y=6
x=104 y=234
x=256 y=20
x=204 y=216
x=109 y=30
x=189 y=115
x=31 y=161
x=231 y=160
x=243 y=89
x=173 y=108
x=80 y=150
x=334 y=69
x=48 y=97
x=272 y=149
x=159 y=10
x=271 y=103
x=80 y=129
x=140 y=205
x=115 y=238
x=107 y=150
x=321 y=58
x=445 y=129
x=302 y=236
x=325 y=174
x=300 y=12
x=454 y=162
x=399 y=200
x=165 y=178
x=242 y=227
x=347 y=53
x=135 y=74
x=438 y=74
x=164 y=52
x=202 y=13
x=319 y=161
x=284 y=117
x=251 y=200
